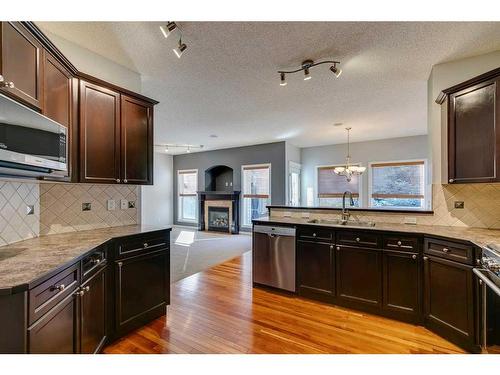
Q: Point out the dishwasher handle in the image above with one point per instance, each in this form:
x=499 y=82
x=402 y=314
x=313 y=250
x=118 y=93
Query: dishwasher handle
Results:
x=480 y=274
x=274 y=231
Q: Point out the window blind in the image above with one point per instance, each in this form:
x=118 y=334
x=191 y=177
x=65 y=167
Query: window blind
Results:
x=403 y=180
x=331 y=185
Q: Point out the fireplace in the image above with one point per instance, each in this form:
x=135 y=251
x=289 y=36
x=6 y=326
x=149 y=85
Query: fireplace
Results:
x=218 y=218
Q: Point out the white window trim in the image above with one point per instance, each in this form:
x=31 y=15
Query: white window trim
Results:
x=242 y=211
x=427 y=187
x=180 y=219
x=294 y=167
x=360 y=182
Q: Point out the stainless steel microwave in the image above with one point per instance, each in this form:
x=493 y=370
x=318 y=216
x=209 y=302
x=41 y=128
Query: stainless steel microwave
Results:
x=30 y=143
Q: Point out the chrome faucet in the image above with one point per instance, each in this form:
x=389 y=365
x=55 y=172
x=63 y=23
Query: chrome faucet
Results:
x=345 y=211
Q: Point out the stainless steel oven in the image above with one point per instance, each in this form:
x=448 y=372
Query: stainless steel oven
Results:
x=489 y=281
x=30 y=143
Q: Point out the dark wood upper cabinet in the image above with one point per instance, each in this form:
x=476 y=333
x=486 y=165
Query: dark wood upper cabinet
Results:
x=315 y=270
x=20 y=64
x=359 y=276
x=136 y=141
x=401 y=285
x=99 y=134
x=449 y=300
x=474 y=129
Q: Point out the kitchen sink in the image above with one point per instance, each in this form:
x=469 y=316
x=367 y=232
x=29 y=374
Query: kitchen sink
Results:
x=343 y=223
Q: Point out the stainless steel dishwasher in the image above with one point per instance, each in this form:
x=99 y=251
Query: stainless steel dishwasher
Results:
x=274 y=257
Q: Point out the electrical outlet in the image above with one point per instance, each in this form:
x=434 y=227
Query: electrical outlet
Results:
x=111 y=205
x=410 y=220
x=287 y=214
x=131 y=204
x=30 y=209
x=86 y=206
x=459 y=204
x=305 y=215
x=123 y=204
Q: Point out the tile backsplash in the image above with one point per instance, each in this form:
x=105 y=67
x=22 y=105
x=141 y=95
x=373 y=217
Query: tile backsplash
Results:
x=58 y=208
x=481 y=208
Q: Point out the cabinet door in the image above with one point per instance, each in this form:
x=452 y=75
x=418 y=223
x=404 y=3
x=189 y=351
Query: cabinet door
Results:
x=401 y=292
x=474 y=134
x=315 y=270
x=93 y=313
x=359 y=276
x=136 y=141
x=20 y=62
x=56 y=332
x=141 y=289
x=99 y=134
x=449 y=299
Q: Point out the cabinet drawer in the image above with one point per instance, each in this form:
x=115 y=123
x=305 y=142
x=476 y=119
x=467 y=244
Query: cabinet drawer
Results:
x=400 y=243
x=315 y=234
x=48 y=294
x=358 y=239
x=133 y=246
x=93 y=262
x=449 y=250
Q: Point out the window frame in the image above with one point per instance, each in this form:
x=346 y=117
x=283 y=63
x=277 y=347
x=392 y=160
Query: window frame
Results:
x=316 y=183
x=426 y=188
x=180 y=218
x=242 y=205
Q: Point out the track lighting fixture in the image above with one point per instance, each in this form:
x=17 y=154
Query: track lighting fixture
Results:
x=173 y=147
x=306 y=66
x=167 y=30
x=180 y=49
x=283 y=82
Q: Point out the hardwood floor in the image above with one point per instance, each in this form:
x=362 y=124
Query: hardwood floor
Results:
x=218 y=311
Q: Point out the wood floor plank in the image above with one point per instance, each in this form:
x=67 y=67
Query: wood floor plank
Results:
x=218 y=311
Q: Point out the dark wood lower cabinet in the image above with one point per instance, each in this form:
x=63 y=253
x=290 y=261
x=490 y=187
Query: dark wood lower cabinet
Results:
x=141 y=288
x=93 y=313
x=401 y=285
x=315 y=270
x=57 y=331
x=359 y=276
x=449 y=300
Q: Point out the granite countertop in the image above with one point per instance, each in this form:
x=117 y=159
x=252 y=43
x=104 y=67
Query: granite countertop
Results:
x=478 y=236
x=24 y=262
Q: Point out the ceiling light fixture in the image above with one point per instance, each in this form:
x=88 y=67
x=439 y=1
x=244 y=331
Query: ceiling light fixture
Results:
x=172 y=147
x=306 y=66
x=349 y=170
x=283 y=81
x=167 y=30
x=180 y=49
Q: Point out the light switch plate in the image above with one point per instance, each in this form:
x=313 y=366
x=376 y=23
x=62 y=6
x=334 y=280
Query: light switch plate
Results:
x=131 y=204
x=30 y=209
x=111 y=205
x=86 y=206
x=410 y=220
x=459 y=204
x=123 y=204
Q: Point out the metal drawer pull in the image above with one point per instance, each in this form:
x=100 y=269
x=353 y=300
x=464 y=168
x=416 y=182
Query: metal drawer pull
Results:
x=445 y=250
x=87 y=288
x=79 y=293
x=399 y=243
x=125 y=180
x=145 y=244
x=426 y=258
x=413 y=256
x=60 y=288
x=331 y=247
x=338 y=248
x=96 y=261
x=314 y=234
x=358 y=239
x=3 y=83
x=117 y=180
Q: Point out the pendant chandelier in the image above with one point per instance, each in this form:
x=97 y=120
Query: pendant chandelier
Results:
x=349 y=170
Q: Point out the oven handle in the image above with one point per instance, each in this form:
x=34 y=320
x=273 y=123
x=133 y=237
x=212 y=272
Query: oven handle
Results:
x=488 y=282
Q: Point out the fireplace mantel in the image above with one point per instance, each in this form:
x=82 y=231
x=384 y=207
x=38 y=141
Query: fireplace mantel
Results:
x=233 y=196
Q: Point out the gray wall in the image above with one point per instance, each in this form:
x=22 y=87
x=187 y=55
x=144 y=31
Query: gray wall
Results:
x=273 y=153
x=405 y=148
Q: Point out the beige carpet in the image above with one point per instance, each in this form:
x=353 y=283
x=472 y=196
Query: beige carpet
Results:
x=192 y=251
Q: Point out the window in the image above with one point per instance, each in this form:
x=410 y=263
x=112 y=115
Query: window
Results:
x=187 y=199
x=256 y=183
x=331 y=187
x=398 y=184
x=294 y=184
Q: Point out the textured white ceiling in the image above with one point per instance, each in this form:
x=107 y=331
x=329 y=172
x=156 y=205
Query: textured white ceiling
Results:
x=226 y=82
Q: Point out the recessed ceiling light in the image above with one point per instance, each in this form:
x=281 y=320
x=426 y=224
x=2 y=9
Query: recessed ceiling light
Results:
x=213 y=135
x=338 y=124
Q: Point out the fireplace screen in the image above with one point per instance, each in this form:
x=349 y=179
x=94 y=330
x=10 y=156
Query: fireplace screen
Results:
x=218 y=218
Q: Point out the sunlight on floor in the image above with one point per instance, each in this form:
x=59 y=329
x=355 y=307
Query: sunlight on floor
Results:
x=185 y=238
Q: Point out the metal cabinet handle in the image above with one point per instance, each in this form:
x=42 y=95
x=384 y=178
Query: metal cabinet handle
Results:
x=358 y=239
x=96 y=261
x=146 y=244
x=331 y=247
x=445 y=250
x=125 y=180
x=87 y=288
x=451 y=180
x=79 y=293
x=3 y=83
x=480 y=282
x=338 y=248
x=120 y=264
x=426 y=258
x=118 y=180
x=314 y=234
x=413 y=256
x=60 y=288
x=399 y=243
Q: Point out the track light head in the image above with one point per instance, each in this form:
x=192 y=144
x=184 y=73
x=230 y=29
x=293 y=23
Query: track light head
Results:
x=307 y=75
x=335 y=70
x=167 y=30
x=283 y=82
x=179 y=50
